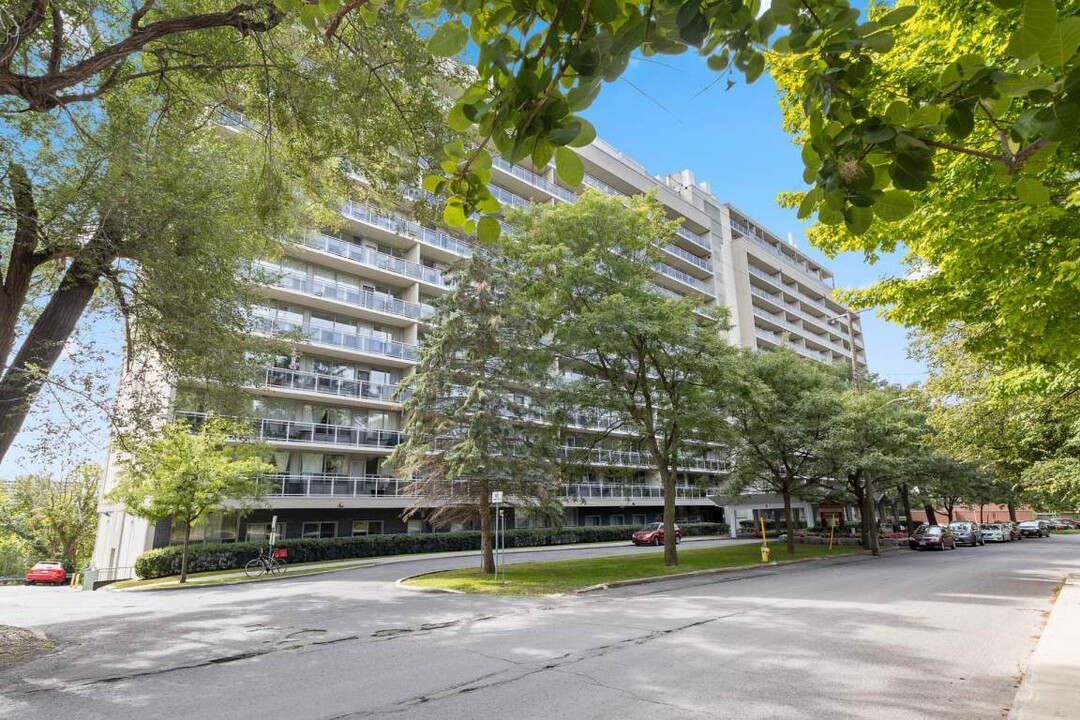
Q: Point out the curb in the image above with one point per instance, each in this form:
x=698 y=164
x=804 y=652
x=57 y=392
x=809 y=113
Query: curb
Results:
x=429 y=591
x=1048 y=690
x=854 y=557
x=245 y=581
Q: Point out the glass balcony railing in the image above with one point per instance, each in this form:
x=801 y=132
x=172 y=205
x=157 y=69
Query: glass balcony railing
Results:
x=285 y=379
x=683 y=278
x=372 y=258
x=508 y=198
x=350 y=295
x=585 y=491
x=294 y=431
x=400 y=226
x=598 y=184
x=325 y=336
x=629 y=458
x=533 y=179
x=689 y=257
x=693 y=237
x=328 y=485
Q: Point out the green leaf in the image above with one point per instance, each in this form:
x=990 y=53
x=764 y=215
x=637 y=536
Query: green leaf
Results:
x=454 y=215
x=1062 y=44
x=564 y=134
x=960 y=122
x=582 y=96
x=881 y=42
x=898 y=15
x=433 y=183
x=1032 y=192
x=755 y=65
x=605 y=10
x=719 y=61
x=1038 y=23
x=857 y=220
x=894 y=205
x=457 y=120
x=569 y=166
x=586 y=134
x=488 y=229
x=809 y=201
x=897 y=112
x=449 y=39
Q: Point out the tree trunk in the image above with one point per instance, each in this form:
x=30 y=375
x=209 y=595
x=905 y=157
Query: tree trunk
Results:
x=948 y=512
x=858 y=491
x=487 y=549
x=905 y=498
x=931 y=513
x=184 y=553
x=789 y=523
x=671 y=553
x=1012 y=511
x=35 y=360
x=871 y=525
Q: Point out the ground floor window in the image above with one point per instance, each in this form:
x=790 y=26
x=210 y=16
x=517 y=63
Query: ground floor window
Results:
x=592 y=520
x=366 y=527
x=415 y=527
x=214 y=528
x=617 y=520
x=638 y=520
x=260 y=532
x=319 y=529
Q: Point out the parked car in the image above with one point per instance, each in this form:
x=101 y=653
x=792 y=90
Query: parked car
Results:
x=967 y=533
x=1061 y=524
x=1034 y=528
x=653 y=534
x=932 y=536
x=46 y=572
x=996 y=532
x=1014 y=530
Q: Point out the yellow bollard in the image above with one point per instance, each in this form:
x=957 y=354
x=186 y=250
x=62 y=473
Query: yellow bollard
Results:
x=765 y=553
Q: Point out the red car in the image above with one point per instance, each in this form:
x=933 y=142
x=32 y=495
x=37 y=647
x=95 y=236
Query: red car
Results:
x=46 y=572
x=653 y=534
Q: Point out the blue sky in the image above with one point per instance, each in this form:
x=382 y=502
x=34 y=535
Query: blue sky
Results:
x=659 y=115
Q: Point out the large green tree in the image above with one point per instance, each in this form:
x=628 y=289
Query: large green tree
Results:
x=53 y=518
x=475 y=405
x=972 y=119
x=181 y=473
x=784 y=413
x=659 y=369
x=135 y=186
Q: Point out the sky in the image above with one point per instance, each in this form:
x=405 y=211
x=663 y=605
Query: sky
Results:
x=661 y=114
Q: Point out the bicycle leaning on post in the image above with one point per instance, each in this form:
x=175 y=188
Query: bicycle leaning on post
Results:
x=267 y=564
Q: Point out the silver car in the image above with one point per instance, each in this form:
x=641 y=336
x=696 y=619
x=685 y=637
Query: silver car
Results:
x=995 y=532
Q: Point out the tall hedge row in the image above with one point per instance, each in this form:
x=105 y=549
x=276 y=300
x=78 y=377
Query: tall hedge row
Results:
x=166 y=561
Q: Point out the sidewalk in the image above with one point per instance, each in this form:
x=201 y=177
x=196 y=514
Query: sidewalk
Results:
x=1051 y=687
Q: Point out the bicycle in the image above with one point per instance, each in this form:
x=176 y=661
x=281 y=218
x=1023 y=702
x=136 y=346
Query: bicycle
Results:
x=272 y=564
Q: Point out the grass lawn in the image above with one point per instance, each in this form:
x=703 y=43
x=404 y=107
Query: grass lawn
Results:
x=218 y=577
x=1065 y=532
x=563 y=576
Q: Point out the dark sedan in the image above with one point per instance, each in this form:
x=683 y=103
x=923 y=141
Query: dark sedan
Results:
x=928 y=537
x=1034 y=528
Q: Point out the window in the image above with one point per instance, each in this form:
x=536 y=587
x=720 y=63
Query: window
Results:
x=617 y=520
x=260 y=532
x=416 y=527
x=337 y=465
x=366 y=527
x=638 y=520
x=311 y=463
x=592 y=520
x=319 y=529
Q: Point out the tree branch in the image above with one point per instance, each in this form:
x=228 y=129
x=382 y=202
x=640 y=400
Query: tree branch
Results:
x=338 y=15
x=57 y=38
x=21 y=29
x=140 y=13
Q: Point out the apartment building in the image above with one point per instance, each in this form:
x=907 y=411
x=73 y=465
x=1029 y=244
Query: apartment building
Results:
x=355 y=304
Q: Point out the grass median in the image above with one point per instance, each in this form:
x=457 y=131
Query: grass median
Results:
x=565 y=576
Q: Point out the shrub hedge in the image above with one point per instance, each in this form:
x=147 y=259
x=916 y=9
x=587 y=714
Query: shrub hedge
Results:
x=166 y=561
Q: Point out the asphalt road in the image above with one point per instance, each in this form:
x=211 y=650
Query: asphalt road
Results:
x=908 y=635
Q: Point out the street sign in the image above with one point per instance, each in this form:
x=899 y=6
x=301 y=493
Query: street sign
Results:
x=497 y=497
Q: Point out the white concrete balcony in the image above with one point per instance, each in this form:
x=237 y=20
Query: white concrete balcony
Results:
x=606 y=493
x=638 y=460
x=295 y=432
x=373 y=259
x=533 y=179
x=397 y=225
x=678 y=275
x=322 y=485
x=282 y=379
x=348 y=295
x=315 y=335
x=698 y=263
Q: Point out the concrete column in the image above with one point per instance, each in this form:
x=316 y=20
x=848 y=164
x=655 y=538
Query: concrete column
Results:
x=733 y=523
x=411 y=293
x=413 y=253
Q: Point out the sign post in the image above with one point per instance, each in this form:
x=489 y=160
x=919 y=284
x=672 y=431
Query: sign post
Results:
x=273 y=533
x=764 y=542
x=500 y=526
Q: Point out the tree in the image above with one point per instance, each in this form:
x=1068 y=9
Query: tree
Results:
x=475 y=404
x=869 y=439
x=971 y=118
x=182 y=473
x=1008 y=422
x=783 y=415
x=658 y=369
x=54 y=518
x=944 y=482
x=136 y=188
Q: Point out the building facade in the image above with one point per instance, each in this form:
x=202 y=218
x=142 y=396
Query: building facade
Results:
x=356 y=303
